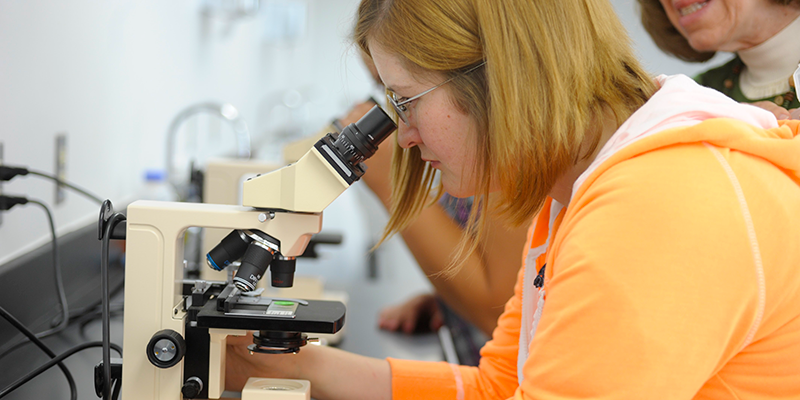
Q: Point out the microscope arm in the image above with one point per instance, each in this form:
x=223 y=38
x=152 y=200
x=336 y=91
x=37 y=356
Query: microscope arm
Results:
x=324 y=172
x=309 y=185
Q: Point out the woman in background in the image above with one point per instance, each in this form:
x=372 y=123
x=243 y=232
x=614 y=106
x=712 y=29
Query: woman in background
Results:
x=763 y=34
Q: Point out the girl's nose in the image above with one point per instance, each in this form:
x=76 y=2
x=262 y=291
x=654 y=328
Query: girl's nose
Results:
x=407 y=136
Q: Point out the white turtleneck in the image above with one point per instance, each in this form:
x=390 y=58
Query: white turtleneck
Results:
x=770 y=64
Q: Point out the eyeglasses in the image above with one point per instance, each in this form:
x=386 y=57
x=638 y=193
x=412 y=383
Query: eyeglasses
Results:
x=401 y=106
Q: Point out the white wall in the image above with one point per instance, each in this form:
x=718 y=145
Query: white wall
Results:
x=112 y=74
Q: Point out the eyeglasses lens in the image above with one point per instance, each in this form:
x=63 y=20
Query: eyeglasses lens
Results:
x=399 y=109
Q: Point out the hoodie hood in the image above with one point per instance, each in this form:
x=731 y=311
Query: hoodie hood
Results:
x=674 y=115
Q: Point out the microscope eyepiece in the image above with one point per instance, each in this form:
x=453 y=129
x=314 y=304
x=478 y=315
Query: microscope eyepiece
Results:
x=360 y=140
x=357 y=142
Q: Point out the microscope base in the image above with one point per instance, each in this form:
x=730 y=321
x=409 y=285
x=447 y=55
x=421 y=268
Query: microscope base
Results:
x=276 y=389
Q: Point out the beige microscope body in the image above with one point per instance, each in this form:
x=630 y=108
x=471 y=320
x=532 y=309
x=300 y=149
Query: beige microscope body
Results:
x=154 y=278
x=286 y=204
x=222 y=183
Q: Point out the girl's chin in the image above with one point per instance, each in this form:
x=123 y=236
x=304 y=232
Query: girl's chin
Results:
x=458 y=191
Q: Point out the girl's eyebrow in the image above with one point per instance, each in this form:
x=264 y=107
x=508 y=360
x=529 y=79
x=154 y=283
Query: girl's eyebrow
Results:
x=393 y=89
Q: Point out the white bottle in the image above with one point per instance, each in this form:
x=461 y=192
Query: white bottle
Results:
x=156 y=186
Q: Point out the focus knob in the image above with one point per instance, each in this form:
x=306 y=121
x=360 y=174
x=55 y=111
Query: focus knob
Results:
x=166 y=348
x=192 y=388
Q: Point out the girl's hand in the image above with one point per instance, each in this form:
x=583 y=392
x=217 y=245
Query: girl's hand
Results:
x=241 y=365
x=780 y=112
x=418 y=314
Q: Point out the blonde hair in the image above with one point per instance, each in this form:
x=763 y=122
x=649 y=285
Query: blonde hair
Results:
x=553 y=67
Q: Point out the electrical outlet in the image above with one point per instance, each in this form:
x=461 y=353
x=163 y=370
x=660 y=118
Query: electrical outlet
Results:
x=61 y=166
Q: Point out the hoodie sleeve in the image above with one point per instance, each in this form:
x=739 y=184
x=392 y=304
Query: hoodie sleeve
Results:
x=495 y=378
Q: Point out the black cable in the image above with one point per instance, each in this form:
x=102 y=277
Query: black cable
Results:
x=8 y=202
x=56 y=361
x=111 y=223
x=57 y=269
x=62 y=296
x=8 y=172
x=83 y=316
x=10 y=318
x=105 y=344
x=84 y=192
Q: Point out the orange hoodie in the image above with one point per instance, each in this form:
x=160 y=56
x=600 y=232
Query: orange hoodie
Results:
x=674 y=272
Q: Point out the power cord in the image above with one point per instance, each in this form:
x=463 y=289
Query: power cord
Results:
x=106 y=230
x=83 y=318
x=6 y=202
x=62 y=296
x=55 y=360
x=11 y=319
x=9 y=172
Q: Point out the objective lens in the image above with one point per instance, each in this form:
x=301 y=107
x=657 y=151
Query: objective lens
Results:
x=282 y=271
x=254 y=263
x=228 y=250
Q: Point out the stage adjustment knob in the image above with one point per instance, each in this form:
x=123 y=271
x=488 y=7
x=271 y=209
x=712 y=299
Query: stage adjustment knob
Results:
x=166 y=348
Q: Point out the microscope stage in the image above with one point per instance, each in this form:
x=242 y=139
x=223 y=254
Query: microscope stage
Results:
x=319 y=316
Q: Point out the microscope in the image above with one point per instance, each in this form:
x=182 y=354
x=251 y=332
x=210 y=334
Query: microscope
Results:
x=175 y=331
x=222 y=184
